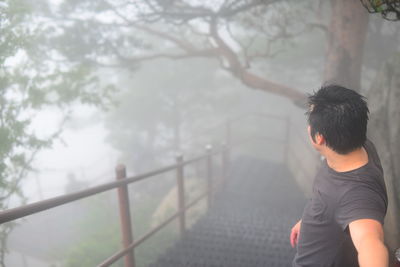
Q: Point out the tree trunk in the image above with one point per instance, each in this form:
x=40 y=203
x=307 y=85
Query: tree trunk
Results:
x=347 y=33
x=384 y=130
x=346 y=37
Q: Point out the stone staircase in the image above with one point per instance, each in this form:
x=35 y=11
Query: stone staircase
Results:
x=248 y=224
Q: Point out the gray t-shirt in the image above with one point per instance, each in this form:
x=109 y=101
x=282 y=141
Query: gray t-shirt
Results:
x=339 y=198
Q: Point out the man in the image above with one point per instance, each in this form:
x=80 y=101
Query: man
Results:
x=342 y=223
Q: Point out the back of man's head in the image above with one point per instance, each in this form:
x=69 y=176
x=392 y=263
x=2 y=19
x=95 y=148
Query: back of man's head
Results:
x=340 y=115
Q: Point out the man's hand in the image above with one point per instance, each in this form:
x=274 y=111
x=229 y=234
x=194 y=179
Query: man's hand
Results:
x=367 y=236
x=294 y=235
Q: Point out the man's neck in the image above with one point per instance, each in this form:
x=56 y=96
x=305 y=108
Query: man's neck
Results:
x=348 y=162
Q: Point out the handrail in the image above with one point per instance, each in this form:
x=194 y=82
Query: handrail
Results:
x=149 y=234
x=118 y=255
x=29 y=209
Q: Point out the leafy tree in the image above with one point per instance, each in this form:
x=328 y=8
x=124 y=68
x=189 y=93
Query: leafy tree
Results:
x=31 y=79
x=99 y=234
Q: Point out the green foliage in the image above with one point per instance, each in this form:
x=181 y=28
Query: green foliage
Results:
x=33 y=77
x=31 y=81
x=99 y=234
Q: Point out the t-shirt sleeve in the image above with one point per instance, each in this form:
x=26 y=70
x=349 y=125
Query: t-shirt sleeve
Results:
x=360 y=203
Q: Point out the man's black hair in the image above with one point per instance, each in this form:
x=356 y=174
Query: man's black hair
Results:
x=340 y=115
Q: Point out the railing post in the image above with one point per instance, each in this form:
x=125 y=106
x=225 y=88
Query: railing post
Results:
x=125 y=216
x=209 y=176
x=181 y=194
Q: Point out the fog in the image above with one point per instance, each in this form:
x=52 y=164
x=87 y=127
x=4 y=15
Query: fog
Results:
x=81 y=152
x=90 y=85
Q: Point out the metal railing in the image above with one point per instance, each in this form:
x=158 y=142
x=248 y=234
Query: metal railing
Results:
x=122 y=182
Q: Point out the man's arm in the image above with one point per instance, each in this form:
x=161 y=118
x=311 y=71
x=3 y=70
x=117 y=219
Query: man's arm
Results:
x=367 y=236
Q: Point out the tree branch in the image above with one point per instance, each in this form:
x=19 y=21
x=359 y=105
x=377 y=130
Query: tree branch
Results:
x=220 y=49
x=250 y=79
x=198 y=53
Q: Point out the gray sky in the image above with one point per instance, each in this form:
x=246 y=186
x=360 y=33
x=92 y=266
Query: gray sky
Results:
x=85 y=154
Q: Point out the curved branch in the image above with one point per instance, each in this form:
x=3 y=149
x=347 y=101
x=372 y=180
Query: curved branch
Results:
x=222 y=52
x=197 y=53
x=250 y=79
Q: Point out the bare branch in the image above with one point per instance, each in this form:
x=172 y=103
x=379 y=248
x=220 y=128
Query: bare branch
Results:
x=220 y=50
x=184 y=45
x=250 y=79
x=198 y=53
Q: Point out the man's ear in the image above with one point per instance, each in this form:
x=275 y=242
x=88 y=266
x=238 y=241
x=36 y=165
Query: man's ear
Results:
x=319 y=139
